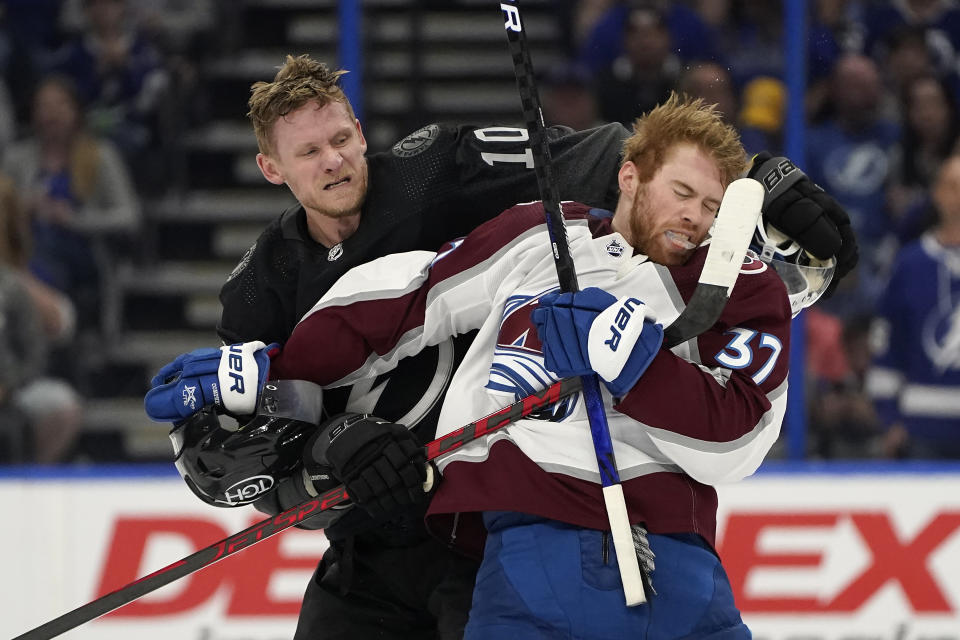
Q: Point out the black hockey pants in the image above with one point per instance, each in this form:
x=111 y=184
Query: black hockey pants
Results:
x=414 y=592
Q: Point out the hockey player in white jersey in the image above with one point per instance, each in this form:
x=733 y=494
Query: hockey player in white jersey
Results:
x=528 y=497
x=437 y=183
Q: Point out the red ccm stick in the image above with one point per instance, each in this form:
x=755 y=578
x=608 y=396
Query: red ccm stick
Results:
x=282 y=521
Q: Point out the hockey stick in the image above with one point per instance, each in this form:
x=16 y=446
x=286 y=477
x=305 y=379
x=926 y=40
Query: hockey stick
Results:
x=616 y=506
x=282 y=521
x=731 y=236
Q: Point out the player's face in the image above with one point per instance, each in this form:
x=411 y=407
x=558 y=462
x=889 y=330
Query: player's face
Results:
x=671 y=214
x=319 y=154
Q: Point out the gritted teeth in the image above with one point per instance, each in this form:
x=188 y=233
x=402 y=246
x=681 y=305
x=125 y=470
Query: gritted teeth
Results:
x=680 y=239
x=337 y=183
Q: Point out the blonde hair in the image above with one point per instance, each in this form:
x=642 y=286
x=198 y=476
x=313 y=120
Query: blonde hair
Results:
x=299 y=81
x=84 y=161
x=15 y=239
x=84 y=166
x=682 y=119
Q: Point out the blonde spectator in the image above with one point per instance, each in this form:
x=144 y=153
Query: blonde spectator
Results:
x=76 y=189
x=40 y=416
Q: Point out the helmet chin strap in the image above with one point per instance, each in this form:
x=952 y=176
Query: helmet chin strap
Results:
x=774 y=243
x=805 y=277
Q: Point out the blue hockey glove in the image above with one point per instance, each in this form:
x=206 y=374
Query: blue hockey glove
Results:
x=592 y=332
x=229 y=378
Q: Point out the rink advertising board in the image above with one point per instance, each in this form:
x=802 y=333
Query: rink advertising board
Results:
x=845 y=553
x=835 y=553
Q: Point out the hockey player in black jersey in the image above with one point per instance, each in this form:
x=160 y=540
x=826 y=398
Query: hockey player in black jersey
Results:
x=383 y=577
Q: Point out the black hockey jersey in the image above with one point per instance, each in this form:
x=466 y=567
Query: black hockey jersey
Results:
x=438 y=183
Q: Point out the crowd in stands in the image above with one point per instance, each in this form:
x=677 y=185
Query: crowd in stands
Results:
x=881 y=137
x=85 y=106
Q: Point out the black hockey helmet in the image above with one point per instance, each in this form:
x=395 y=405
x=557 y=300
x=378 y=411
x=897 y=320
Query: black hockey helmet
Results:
x=229 y=465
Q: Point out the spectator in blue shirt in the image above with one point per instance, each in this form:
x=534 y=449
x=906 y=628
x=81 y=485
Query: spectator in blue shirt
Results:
x=915 y=378
x=848 y=154
x=120 y=80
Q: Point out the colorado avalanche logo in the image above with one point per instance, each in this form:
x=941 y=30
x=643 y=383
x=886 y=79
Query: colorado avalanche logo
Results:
x=752 y=263
x=517 y=367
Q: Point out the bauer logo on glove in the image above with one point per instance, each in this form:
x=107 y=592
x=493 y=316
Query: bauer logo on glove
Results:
x=621 y=322
x=228 y=379
x=590 y=331
x=232 y=372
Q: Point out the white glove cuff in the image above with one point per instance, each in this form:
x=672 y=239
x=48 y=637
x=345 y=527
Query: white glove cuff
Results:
x=613 y=335
x=239 y=377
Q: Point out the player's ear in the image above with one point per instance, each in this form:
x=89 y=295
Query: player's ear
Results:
x=269 y=169
x=627 y=179
x=363 y=141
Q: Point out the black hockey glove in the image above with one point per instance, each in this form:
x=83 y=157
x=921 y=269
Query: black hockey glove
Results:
x=381 y=463
x=292 y=491
x=798 y=207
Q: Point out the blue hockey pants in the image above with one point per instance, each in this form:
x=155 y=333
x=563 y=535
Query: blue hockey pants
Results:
x=547 y=579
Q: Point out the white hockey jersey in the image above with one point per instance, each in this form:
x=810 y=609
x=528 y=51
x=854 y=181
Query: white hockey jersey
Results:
x=705 y=412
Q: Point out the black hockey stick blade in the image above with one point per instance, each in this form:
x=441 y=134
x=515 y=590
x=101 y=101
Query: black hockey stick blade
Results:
x=272 y=526
x=732 y=231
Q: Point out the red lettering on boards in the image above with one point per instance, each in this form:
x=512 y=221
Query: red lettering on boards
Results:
x=246 y=576
x=905 y=562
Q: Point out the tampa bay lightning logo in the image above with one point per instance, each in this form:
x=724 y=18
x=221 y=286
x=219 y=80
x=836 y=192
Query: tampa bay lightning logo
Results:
x=858 y=169
x=517 y=367
x=941 y=339
x=244 y=261
x=417 y=142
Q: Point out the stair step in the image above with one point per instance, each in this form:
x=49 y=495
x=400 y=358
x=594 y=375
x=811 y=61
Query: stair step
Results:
x=223 y=205
x=142 y=438
x=174 y=278
x=231 y=242
x=116 y=413
x=203 y=311
x=223 y=135
x=474 y=97
x=260 y=63
x=290 y=4
x=464 y=28
x=153 y=349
